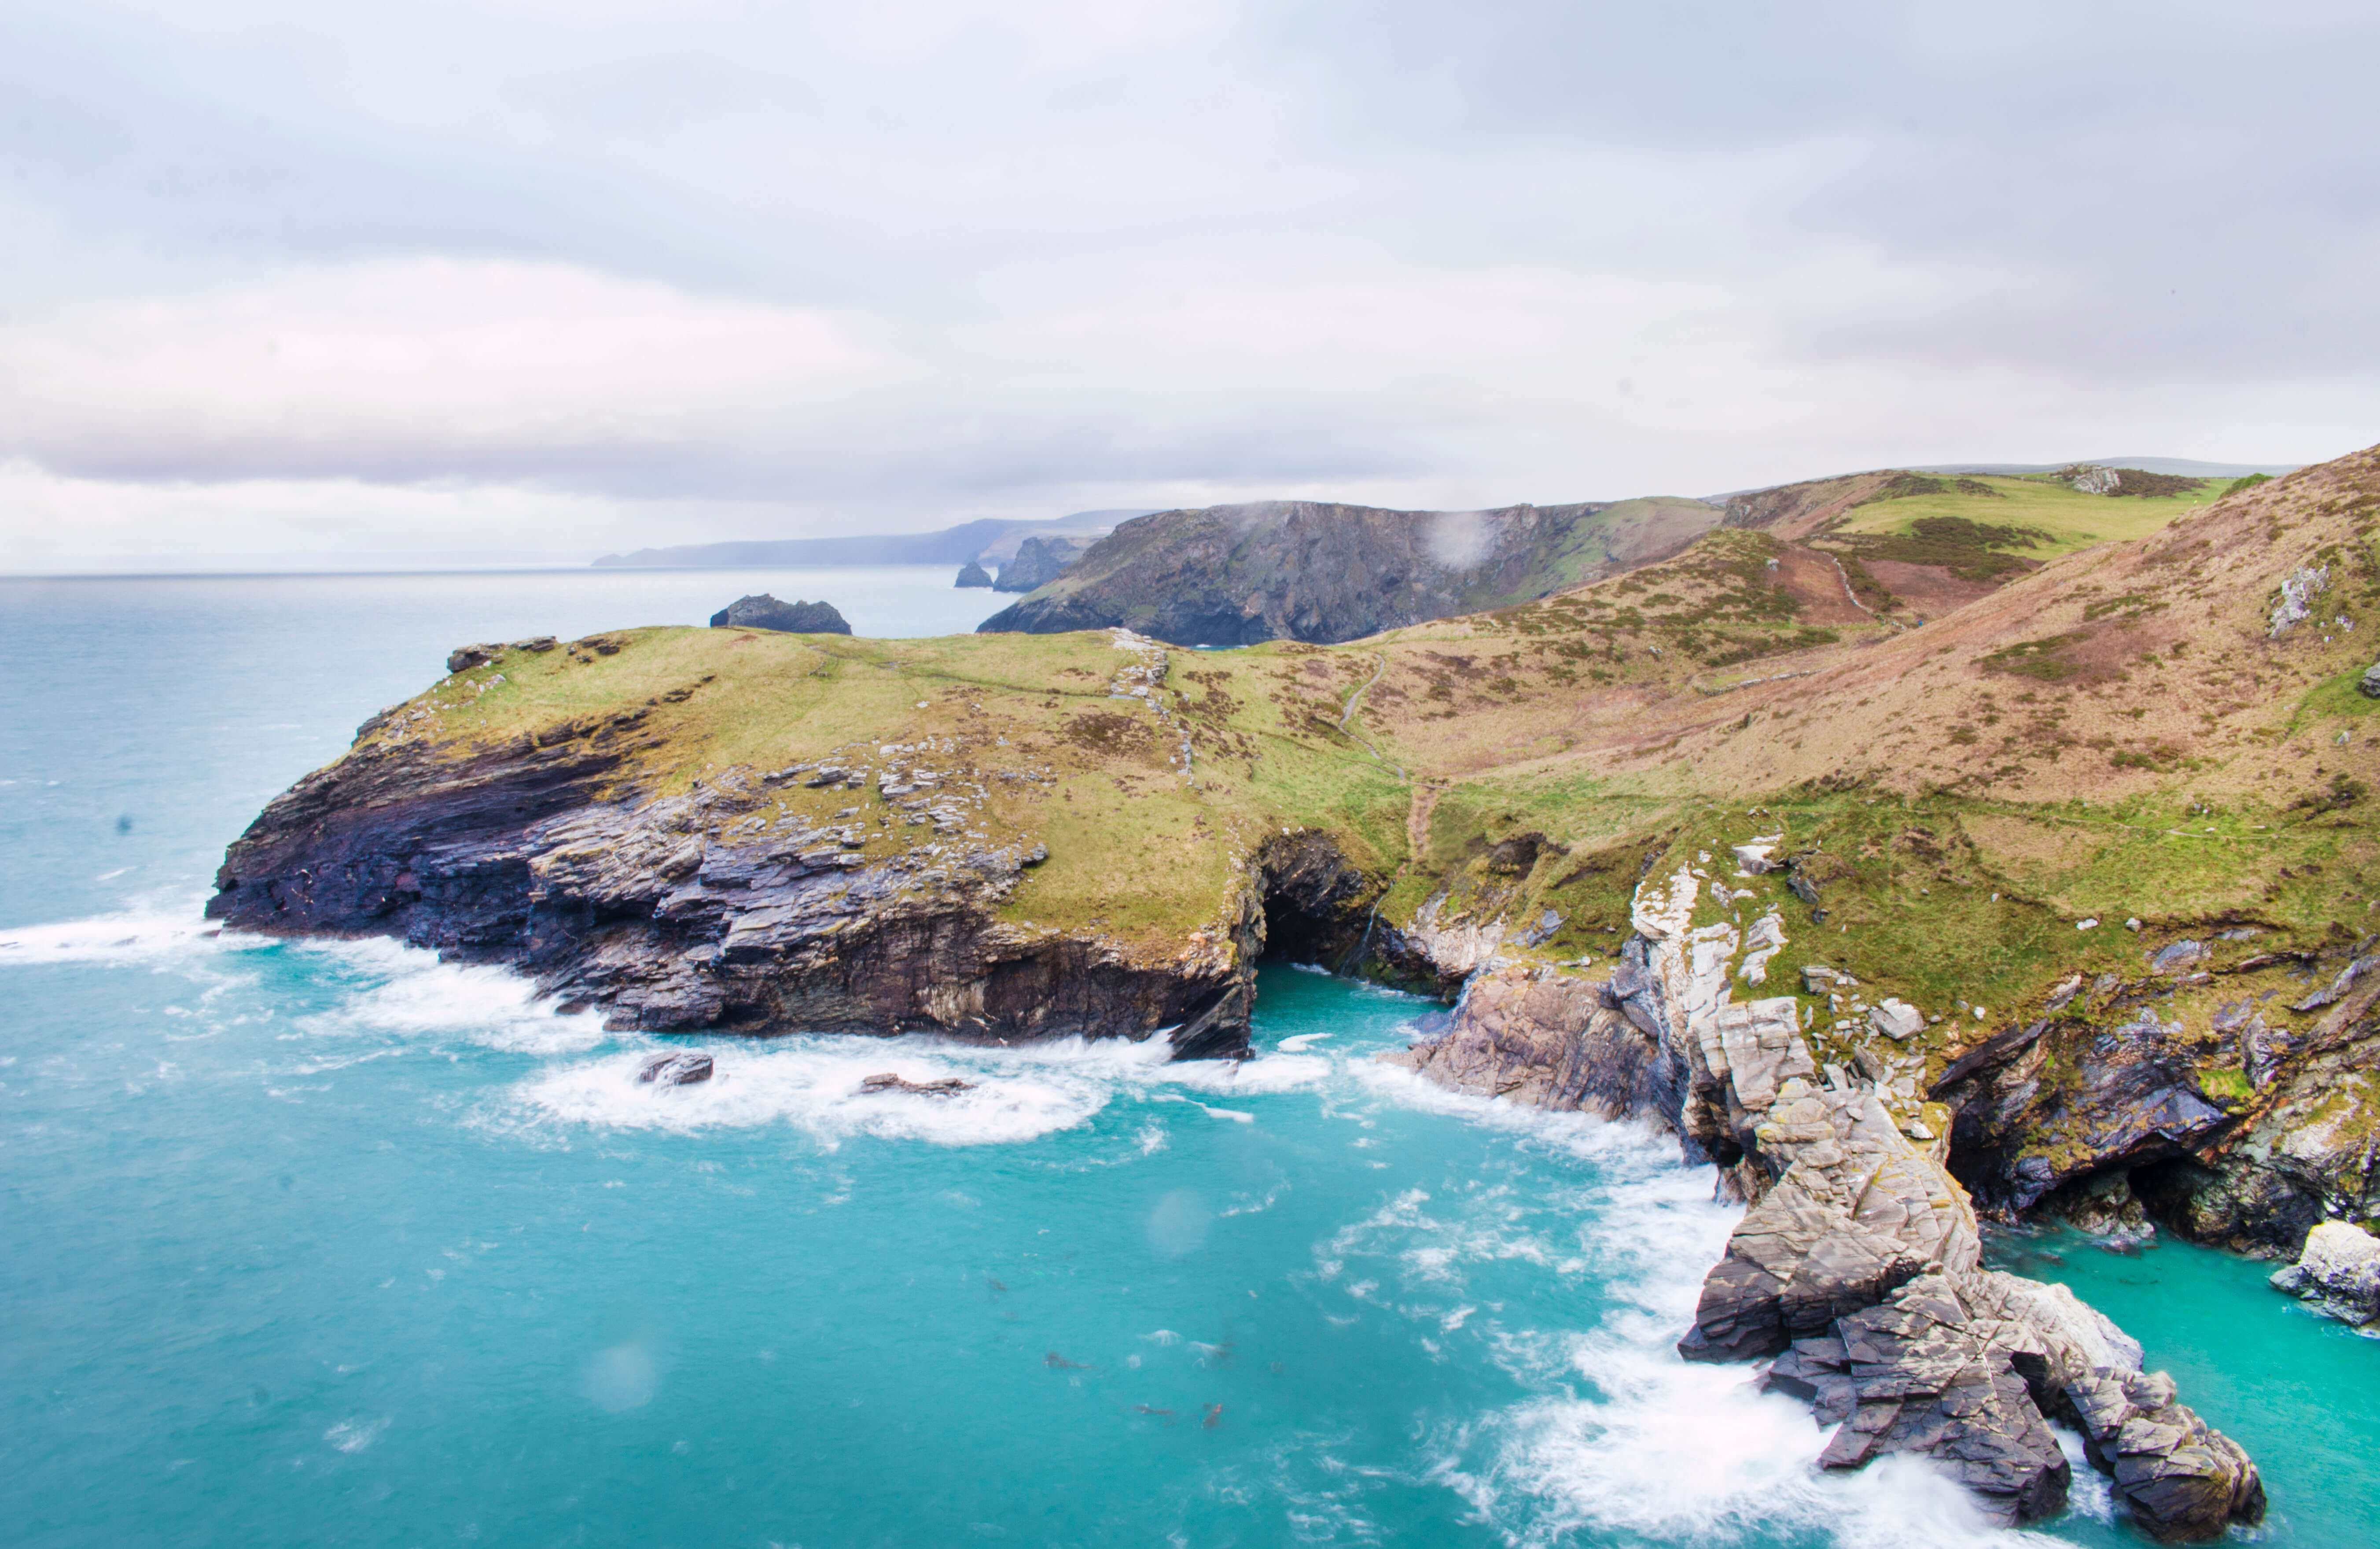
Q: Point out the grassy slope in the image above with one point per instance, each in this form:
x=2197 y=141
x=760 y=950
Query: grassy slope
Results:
x=2073 y=520
x=2112 y=736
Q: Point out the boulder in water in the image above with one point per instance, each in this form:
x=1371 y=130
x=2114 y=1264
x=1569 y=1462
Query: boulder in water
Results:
x=2339 y=1272
x=675 y=1070
x=949 y=1086
x=973 y=574
x=765 y=612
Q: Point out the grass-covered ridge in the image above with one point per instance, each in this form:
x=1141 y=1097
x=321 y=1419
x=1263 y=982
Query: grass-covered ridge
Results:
x=2116 y=733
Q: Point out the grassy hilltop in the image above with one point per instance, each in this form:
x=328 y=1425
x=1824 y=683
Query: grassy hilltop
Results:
x=2102 y=725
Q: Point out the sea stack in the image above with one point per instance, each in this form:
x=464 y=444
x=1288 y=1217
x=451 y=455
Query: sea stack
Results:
x=973 y=574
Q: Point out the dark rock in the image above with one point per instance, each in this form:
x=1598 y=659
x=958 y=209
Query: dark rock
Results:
x=677 y=914
x=463 y=658
x=2369 y=684
x=949 y=1086
x=2183 y=1480
x=675 y=1070
x=765 y=612
x=1038 y=562
x=1922 y=1373
x=973 y=574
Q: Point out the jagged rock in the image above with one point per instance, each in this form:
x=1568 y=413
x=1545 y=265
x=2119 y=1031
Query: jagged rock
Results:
x=675 y=1070
x=682 y=913
x=463 y=658
x=1552 y=1040
x=1896 y=1019
x=1038 y=562
x=2339 y=1272
x=2369 y=684
x=764 y=612
x=1820 y=980
x=1921 y=1373
x=1754 y=857
x=949 y=1086
x=973 y=574
x=2180 y=958
x=2183 y=1479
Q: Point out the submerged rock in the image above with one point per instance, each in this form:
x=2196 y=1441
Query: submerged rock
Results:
x=2339 y=1272
x=675 y=1070
x=764 y=612
x=949 y=1086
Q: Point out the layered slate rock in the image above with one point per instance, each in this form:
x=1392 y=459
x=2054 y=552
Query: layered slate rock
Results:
x=2183 y=1479
x=1856 y=1270
x=1552 y=1040
x=1921 y=1371
x=764 y=612
x=709 y=910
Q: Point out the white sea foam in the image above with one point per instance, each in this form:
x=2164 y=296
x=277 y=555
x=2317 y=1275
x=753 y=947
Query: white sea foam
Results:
x=409 y=992
x=147 y=934
x=814 y=1085
x=354 y=1435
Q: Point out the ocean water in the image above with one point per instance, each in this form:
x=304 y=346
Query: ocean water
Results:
x=313 y=1243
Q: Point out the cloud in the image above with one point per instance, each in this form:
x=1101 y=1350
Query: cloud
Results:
x=609 y=275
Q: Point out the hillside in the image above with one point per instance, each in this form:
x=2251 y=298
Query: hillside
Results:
x=1237 y=574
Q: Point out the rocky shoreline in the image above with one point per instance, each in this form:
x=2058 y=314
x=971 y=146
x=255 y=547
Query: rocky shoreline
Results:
x=1856 y=1273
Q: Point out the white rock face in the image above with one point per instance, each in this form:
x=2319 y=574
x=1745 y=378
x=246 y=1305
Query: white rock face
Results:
x=1768 y=938
x=2339 y=1270
x=1896 y=1019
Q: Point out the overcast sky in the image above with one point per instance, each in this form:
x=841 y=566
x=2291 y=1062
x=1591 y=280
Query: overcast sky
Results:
x=315 y=281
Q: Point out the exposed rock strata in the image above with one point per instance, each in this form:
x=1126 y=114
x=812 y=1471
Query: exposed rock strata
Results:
x=687 y=912
x=1857 y=1267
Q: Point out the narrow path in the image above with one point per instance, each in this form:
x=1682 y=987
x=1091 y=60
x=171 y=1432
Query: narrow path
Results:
x=1849 y=595
x=1348 y=714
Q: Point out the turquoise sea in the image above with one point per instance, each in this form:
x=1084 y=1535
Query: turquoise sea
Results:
x=330 y=1243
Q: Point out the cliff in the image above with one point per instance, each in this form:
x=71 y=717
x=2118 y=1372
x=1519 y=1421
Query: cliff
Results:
x=1237 y=574
x=1856 y=1273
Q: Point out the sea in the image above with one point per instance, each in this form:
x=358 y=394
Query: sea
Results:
x=313 y=1243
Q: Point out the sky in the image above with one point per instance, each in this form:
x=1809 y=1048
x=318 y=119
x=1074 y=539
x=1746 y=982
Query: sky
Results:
x=298 y=284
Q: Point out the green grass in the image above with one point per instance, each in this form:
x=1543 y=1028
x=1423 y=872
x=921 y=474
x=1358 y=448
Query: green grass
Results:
x=2067 y=519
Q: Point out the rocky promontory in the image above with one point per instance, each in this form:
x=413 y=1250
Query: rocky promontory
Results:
x=1308 y=570
x=1856 y=1274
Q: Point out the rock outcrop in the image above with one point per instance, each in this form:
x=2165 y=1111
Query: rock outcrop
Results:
x=675 y=1070
x=692 y=912
x=2339 y=1272
x=973 y=574
x=1038 y=562
x=1857 y=1269
x=764 y=612
x=1235 y=575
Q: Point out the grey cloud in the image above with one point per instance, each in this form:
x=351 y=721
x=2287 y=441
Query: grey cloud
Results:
x=1092 y=251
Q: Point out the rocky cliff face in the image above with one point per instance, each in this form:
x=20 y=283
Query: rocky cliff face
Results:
x=693 y=912
x=1235 y=575
x=1856 y=1272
